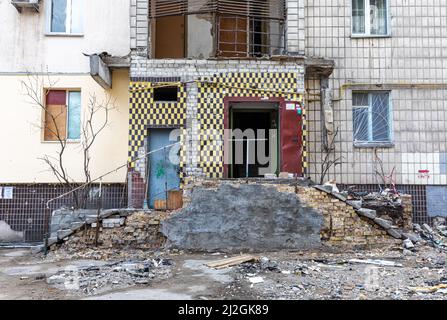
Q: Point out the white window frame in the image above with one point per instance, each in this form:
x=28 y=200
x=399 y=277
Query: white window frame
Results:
x=371 y=142
x=367 y=33
x=68 y=21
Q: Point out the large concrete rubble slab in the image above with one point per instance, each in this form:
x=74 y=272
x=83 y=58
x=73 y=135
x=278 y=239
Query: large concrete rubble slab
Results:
x=238 y=216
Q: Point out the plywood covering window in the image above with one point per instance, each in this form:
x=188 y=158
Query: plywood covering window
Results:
x=62 y=116
x=243 y=28
x=168 y=27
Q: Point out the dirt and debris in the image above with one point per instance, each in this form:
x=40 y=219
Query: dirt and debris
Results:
x=436 y=236
x=387 y=273
x=91 y=280
x=374 y=274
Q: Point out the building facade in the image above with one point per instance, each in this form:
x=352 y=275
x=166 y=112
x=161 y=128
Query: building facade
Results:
x=389 y=91
x=346 y=90
x=43 y=63
x=368 y=77
x=225 y=67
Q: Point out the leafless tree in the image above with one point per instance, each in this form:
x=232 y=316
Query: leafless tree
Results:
x=95 y=120
x=388 y=181
x=329 y=158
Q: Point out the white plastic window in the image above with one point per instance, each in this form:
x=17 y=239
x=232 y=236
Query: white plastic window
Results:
x=371 y=117
x=65 y=16
x=370 y=18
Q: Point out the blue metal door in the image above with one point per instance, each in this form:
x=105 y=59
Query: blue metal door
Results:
x=163 y=165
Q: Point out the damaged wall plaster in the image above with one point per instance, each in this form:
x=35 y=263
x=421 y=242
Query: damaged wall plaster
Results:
x=200 y=38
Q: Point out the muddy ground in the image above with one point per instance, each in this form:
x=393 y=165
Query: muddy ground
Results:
x=133 y=274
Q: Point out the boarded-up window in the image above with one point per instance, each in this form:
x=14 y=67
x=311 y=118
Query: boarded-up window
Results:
x=170 y=37
x=168 y=28
x=62 y=115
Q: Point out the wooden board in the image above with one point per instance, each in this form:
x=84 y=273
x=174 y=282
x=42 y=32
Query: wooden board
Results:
x=175 y=200
x=225 y=263
x=160 y=204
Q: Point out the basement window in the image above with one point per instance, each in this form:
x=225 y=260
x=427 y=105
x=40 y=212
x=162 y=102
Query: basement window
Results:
x=65 y=17
x=371 y=118
x=166 y=94
x=62 y=115
x=370 y=18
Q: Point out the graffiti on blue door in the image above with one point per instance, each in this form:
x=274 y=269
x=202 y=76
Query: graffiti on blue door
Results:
x=163 y=166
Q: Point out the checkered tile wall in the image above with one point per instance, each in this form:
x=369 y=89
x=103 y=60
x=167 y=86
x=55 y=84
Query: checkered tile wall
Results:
x=211 y=93
x=145 y=112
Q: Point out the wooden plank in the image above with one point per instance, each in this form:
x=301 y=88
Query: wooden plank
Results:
x=229 y=262
x=160 y=204
x=175 y=200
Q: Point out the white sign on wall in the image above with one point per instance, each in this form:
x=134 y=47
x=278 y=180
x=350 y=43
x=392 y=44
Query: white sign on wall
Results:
x=8 y=192
x=290 y=106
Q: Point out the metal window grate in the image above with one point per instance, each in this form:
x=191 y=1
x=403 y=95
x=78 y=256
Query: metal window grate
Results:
x=239 y=36
x=27 y=212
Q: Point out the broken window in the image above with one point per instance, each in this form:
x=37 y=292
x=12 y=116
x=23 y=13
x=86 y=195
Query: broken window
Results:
x=164 y=94
x=239 y=28
x=371 y=117
x=370 y=17
x=251 y=28
x=66 y=16
x=62 y=115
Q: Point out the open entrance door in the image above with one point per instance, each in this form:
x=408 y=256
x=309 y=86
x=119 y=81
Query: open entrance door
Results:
x=254 y=143
x=291 y=133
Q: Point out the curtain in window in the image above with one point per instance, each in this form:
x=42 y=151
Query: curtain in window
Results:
x=360 y=103
x=358 y=16
x=58 y=15
x=378 y=17
x=74 y=115
x=76 y=16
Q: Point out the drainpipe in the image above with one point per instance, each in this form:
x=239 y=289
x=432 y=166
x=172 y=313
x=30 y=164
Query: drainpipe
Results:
x=327 y=113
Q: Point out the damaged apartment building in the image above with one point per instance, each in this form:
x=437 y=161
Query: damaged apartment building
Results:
x=207 y=69
x=355 y=91
x=347 y=91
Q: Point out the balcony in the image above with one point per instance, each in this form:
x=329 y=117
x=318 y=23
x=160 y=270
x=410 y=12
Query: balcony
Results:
x=224 y=29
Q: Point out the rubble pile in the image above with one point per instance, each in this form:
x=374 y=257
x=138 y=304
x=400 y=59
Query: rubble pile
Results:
x=376 y=274
x=436 y=236
x=388 y=205
x=138 y=230
x=110 y=276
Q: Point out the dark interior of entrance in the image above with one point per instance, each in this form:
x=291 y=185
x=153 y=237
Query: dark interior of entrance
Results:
x=253 y=116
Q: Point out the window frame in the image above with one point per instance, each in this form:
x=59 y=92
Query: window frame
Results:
x=367 y=33
x=68 y=21
x=371 y=143
x=67 y=97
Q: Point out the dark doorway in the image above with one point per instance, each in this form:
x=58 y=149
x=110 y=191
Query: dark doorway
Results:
x=249 y=118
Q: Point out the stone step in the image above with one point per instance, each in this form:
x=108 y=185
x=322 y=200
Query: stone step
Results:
x=368 y=213
x=383 y=223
